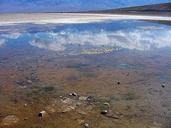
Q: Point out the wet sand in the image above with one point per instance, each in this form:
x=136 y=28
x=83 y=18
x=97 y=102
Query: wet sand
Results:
x=44 y=18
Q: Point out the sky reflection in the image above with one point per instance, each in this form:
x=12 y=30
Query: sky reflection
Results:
x=141 y=37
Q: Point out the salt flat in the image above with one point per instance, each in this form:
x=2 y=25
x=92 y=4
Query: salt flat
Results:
x=55 y=18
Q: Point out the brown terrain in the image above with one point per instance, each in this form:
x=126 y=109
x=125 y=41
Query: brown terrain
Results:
x=155 y=9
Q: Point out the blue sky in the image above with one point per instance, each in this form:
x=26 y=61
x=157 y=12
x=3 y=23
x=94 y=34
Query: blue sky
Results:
x=68 y=5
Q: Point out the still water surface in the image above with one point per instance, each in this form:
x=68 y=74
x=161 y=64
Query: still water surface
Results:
x=123 y=67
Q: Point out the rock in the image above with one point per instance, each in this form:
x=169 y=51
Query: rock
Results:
x=33 y=77
x=91 y=99
x=42 y=114
x=104 y=112
x=163 y=85
x=82 y=98
x=86 y=125
x=67 y=101
x=29 y=81
x=82 y=112
x=80 y=121
x=73 y=94
x=78 y=104
x=118 y=83
x=68 y=109
x=68 y=104
x=10 y=120
x=109 y=114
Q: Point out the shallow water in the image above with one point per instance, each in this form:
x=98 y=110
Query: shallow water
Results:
x=124 y=63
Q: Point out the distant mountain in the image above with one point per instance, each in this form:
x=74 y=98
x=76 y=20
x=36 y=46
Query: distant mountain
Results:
x=69 y=5
x=164 y=8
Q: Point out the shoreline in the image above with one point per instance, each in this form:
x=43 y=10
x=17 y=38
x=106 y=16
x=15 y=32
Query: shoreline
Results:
x=67 y=18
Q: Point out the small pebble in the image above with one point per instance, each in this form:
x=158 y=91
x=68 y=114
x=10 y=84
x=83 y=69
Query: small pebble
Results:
x=73 y=94
x=29 y=81
x=42 y=114
x=163 y=85
x=118 y=83
x=104 y=112
x=86 y=125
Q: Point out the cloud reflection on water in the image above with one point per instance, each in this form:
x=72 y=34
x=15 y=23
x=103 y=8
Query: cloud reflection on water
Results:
x=138 y=38
x=2 y=41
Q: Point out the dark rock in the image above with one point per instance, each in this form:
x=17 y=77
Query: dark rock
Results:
x=104 y=112
x=42 y=114
x=118 y=83
x=91 y=99
x=163 y=85
x=73 y=94
x=32 y=77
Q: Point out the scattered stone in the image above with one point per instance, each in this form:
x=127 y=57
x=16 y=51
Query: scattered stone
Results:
x=104 y=112
x=23 y=82
x=82 y=98
x=91 y=99
x=68 y=109
x=110 y=114
x=33 y=77
x=118 y=83
x=42 y=114
x=29 y=81
x=10 y=120
x=73 y=94
x=23 y=87
x=67 y=101
x=82 y=112
x=78 y=104
x=81 y=121
x=86 y=125
x=163 y=85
